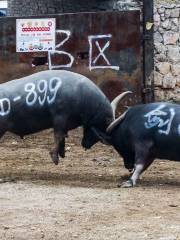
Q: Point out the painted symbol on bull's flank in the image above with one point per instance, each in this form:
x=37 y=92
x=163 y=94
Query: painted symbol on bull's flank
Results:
x=16 y=98
x=53 y=89
x=179 y=129
x=5 y=106
x=42 y=88
x=42 y=91
x=92 y=62
x=161 y=119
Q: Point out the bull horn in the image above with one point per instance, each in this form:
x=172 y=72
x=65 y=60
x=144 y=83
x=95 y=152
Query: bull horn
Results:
x=115 y=102
x=116 y=122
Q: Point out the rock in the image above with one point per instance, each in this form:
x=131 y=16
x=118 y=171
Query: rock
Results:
x=163 y=67
x=177 y=94
x=7 y=179
x=167 y=13
x=175 y=69
x=157 y=19
x=158 y=37
x=160 y=48
x=167 y=238
x=161 y=30
x=158 y=79
x=155 y=28
x=126 y=5
x=178 y=81
x=162 y=15
x=174 y=28
x=173 y=95
x=169 y=81
x=159 y=94
x=175 y=22
x=170 y=37
x=169 y=5
x=68 y=149
x=161 y=10
x=161 y=57
x=166 y=24
x=163 y=18
x=14 y=143
x=175 y=13
x=173 y=54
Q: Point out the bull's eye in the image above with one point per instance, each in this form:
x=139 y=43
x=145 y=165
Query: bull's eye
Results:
x=108 y=121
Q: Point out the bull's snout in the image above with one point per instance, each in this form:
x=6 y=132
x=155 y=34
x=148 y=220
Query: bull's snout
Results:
x=86 y=144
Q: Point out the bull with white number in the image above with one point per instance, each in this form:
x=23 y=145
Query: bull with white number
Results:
x=143 y=133
x=55 y=99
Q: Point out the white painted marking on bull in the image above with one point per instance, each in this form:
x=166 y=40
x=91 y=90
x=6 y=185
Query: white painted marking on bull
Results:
x=101 y=52
x=32 y=95
x=41 y=93
x=17 y=98
x=169 y=122
x=179 y=129
x=50 y=53
x=42 y=88
x=155 y=119
x=57 y=81
x=5 y=106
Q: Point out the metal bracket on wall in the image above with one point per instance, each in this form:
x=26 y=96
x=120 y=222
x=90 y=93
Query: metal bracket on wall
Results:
x=147 y=90
x=146 y=37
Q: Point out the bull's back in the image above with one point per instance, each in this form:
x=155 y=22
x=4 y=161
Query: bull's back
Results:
x=32 y=102
x=158 y=123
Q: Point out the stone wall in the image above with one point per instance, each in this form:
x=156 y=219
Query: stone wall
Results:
x=167 y=51
x=37 y=7
x=30 y=7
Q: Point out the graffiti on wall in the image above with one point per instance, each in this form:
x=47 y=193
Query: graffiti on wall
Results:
x=93 y=41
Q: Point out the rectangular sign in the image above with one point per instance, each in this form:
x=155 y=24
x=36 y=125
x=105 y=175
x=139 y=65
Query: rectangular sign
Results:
x=35 y=35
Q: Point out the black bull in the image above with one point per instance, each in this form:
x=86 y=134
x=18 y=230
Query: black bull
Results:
x=56 y=99
x=64 y=100
x=143 y=133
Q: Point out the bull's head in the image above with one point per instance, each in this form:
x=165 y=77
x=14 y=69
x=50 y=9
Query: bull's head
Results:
x=94 y=134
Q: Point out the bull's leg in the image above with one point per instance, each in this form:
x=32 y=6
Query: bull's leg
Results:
x=142 y=162
x=59 y=148
x=140 y=166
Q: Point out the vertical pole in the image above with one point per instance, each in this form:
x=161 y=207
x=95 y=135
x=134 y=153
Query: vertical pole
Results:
x=148 y=51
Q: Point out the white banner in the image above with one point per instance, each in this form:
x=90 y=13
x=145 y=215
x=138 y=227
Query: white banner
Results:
x=35 y=35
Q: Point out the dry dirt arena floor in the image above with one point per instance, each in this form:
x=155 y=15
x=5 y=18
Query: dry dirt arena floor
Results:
x=79 y=198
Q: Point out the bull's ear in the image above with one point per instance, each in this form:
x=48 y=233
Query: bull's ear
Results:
x=102 y=136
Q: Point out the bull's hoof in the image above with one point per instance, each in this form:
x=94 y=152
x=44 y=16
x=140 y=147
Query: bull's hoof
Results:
x=54 y=157
x=126 y=184
x=62 y=154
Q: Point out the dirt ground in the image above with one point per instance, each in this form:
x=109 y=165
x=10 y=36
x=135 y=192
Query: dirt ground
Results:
x=79 y=198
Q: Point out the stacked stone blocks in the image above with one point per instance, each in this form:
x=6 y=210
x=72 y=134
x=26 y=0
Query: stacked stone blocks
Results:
x=167 y=51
